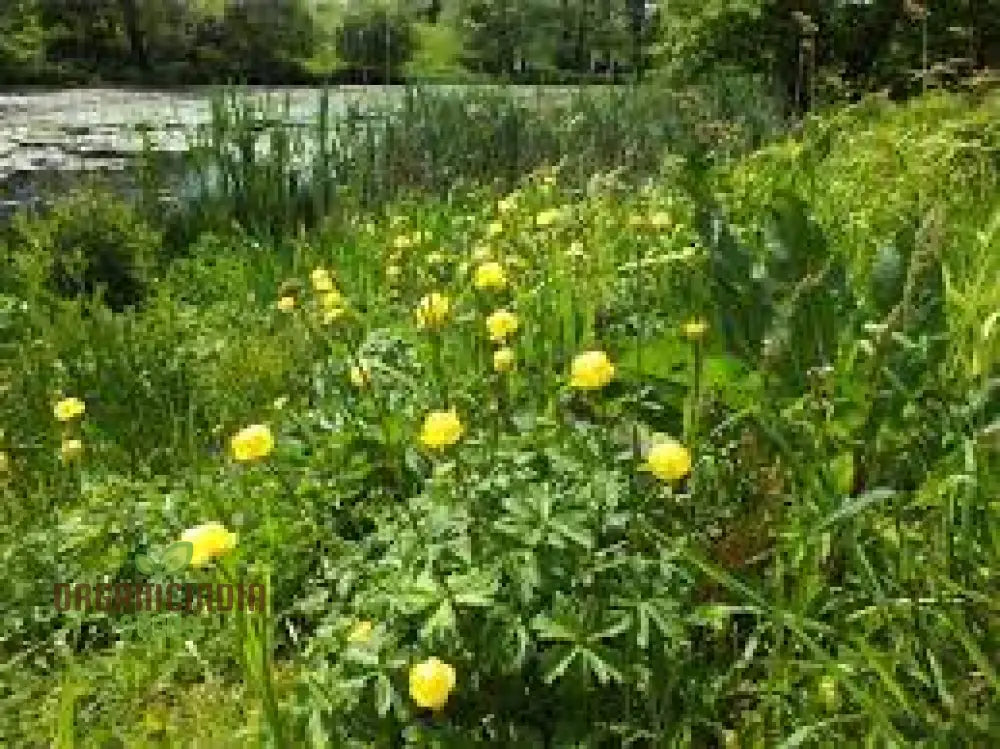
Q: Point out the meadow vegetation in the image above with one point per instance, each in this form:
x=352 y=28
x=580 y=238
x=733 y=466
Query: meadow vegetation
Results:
x=615 y=421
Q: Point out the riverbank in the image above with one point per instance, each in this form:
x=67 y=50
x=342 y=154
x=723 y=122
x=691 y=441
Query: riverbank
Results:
x=563 y=434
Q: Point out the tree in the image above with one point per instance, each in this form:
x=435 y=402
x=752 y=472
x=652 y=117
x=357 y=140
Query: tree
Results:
x=22 y=40
x=376 y=41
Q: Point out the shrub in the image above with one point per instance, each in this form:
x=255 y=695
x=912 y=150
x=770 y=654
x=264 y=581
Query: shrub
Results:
x=91 y=242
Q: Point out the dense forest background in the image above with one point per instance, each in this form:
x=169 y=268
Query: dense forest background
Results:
x=809 y=48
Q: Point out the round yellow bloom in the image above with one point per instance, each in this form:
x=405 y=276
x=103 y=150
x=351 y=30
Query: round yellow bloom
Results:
x=591 y=370
x=508 y=204
x=68 y=409
x=494 y=229
x=694 y=330
x=548 y=217
x=70 y=449
x=503 y=359
x=333 y=314
x=441 y=429
x=252 y=443
x=433 y=310
x=660 y=220
x=361 y=632
x=431 y=683
x=576 y=250
x=286 y=303
x=332 y=299
x=210 y=540
x=490 y=275
x=402 y=242
x=322 y=280
x=359 y=376
x=669 y=461
x=501 y=324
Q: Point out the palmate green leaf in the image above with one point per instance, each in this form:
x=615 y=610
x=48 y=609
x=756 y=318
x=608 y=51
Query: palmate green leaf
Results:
x=598 y=660
x=476 y=588
x=556 y=661
x=549 y=629
x=442 y=621
x=417 y=595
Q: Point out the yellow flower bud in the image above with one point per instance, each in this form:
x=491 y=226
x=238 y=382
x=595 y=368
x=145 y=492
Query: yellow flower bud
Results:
x=503 y=359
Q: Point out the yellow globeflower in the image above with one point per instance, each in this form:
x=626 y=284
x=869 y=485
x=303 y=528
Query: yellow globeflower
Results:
x=322 y=280
x=360 y=632
x=548 y=217
x=503 y=359
x=331 y=299
x=402 y=242
x=333 y=314
x=694 y=330
x=68 y=409
x=494 y=229
x=210 y=540
x=501 y=324
x=286 y=303
x=252 y=443
x=660 y=220
x=431 y=683
x=441 y=429
x=508 y=204
x=70 y=449
x=490 y=275
x=669 y=460
x=433 y=310
x=359 y=376
x=591 y=370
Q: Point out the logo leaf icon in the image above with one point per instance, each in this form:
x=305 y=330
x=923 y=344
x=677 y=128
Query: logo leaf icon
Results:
x=177 y=556
x=145 y=564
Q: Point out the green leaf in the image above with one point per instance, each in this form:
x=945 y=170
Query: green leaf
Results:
x=443 y=621
x=473 y=589
x=177 y=556
x=548 y=629
x=383 y=695
x=145 y=564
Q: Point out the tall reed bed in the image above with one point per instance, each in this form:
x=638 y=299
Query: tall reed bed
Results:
x=250 y=165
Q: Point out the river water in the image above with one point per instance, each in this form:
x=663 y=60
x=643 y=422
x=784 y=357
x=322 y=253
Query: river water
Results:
x=49 y=138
